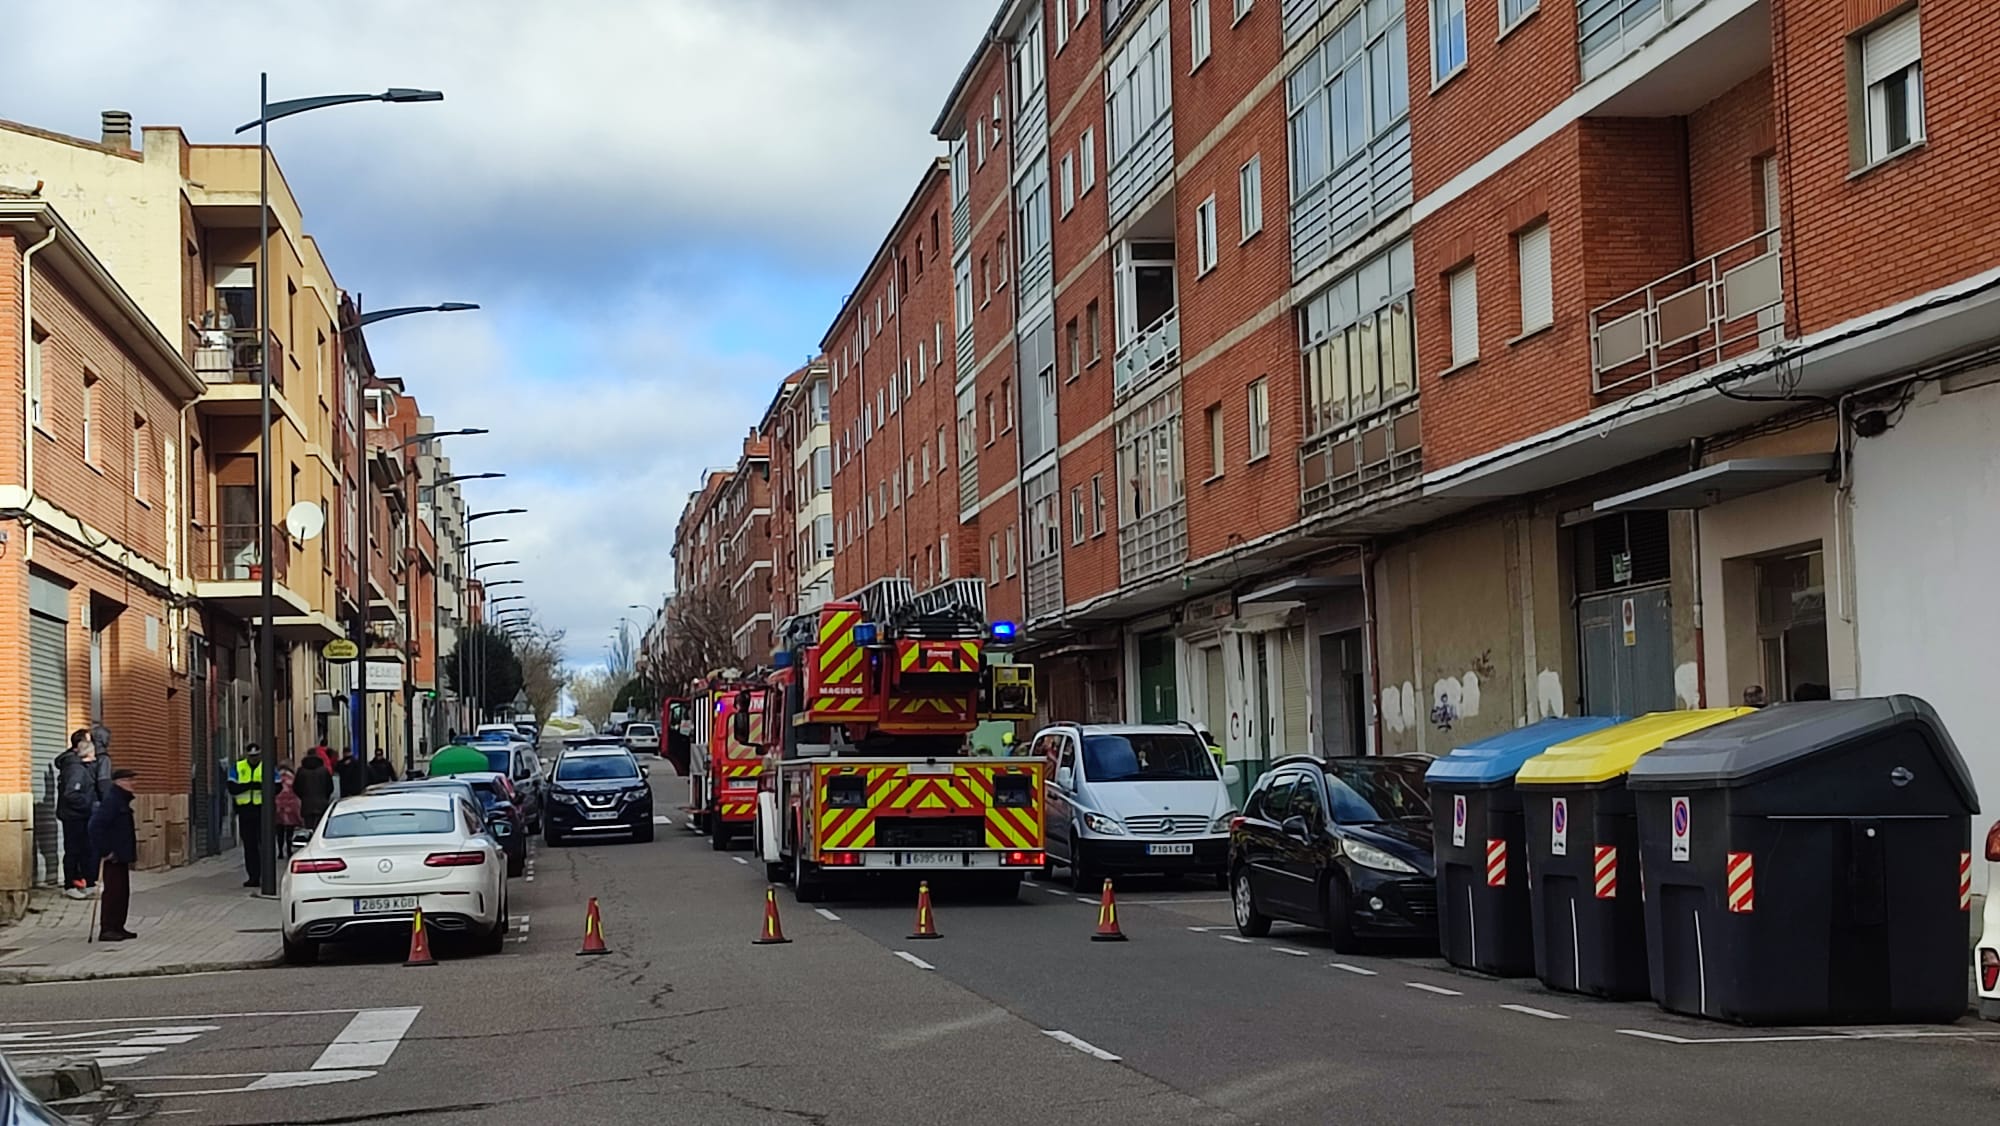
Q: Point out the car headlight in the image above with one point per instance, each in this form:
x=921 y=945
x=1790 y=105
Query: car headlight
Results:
x=1098 y=823
x=1221 y=824
x=1368 y=856
x=563 y=796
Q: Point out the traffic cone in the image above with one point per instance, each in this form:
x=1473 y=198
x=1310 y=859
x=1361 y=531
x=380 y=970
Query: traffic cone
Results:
x=773 y=933
x=1107 y=918
x=593 y=931
x=420 y=944
x=926 y=925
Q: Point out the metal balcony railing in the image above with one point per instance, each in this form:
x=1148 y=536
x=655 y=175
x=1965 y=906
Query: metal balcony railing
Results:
x=1361 y=460
x=228 y=553
x=1144 y=357
x=231 y=356
x=1726 y=305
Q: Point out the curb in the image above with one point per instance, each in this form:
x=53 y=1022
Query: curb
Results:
x=44 y=976
x=62 y=1079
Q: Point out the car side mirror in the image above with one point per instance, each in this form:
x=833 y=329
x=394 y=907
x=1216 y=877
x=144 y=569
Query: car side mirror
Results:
x=1295 y=827
x=644 y=771
x=1231 y=775
x=1065 y=777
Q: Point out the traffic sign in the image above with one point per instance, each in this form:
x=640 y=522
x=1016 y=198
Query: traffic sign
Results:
x=1559 y=827
x=340 y=650
x=1683 y=828
x=1458 y=821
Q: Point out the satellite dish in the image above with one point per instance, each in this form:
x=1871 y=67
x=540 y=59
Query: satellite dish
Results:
x=305 y=521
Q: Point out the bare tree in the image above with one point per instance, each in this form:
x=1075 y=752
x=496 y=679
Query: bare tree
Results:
x=593 y=689
x=541 y=654
x=700 y=628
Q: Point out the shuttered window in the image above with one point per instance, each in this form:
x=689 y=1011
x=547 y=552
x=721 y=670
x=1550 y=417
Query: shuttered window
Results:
x=1892 y=74
x=1292 y=675
x=1464 y=297
x=1537 y=293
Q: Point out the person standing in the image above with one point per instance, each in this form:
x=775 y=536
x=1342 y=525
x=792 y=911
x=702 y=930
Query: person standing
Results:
x=116 y=839
x=379 y=769
x=314 y=786
x=246 y=786
x=353 y=774
x=76 y=797
x=289 y=814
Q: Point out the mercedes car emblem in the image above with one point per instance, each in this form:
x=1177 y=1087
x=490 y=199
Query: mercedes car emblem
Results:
x=384 y=864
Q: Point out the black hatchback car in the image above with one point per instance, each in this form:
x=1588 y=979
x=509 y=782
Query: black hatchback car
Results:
x=1343 y=844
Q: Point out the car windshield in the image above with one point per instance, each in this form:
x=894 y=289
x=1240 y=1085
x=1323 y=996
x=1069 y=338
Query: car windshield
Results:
x=494 y=736
x=496 y=758
x=595 y=768
x=387 y=822
x=1141 y=756
x=1362 y=792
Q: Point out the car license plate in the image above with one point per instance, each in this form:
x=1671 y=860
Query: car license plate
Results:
x=600 y=814
x=384 y=904
x=1170 y=850
x=933 y=860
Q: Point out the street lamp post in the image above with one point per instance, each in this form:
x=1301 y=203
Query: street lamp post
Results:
x=465 y=668
x=437 y=629
x=267 y=644
x=437 y=731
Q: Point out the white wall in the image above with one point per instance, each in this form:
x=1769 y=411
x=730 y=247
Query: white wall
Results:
x=1926 y=530
x=1759 y=524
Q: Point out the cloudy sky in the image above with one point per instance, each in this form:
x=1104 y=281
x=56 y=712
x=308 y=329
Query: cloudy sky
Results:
x=658 y=203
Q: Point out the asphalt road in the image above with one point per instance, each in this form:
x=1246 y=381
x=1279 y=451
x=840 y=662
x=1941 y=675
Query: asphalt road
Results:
x=1012 y=1016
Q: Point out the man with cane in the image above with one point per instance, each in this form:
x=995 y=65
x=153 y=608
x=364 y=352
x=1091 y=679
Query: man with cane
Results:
x=116 y=840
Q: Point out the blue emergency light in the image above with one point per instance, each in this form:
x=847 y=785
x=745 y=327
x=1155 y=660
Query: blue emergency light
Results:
x=864 y=634
x=1003 y=631
x=781 y=659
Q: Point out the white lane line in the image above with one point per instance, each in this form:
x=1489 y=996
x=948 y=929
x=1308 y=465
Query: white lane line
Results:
x=1234 y=938
x=1437 y=989
x=1352 y=969
x=1175 y=902
x=1205 y=930
x=1084 y=1046
x=368 y=1040
x=912 y=959
x=1530 y=1010
x=826 y=914
x=662 y=819
x=1052 y=890
x=1292 y=952
x=1092 y=900
x=186 y=1016
x=739 y=860
x=1660 y=1036
x=1820 y=1037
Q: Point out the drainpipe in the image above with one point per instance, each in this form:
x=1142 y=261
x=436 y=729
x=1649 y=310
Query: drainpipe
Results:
x=27 y=391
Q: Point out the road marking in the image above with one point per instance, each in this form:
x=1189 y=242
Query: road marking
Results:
x=109 y=1047
x=1204 y=930
x=368 y=1040
x=1530 y=1010
x=1087 y=899
x=1051 y=890
x=1292 y=952
x=1084 y=1046
x=826 y=914
x=185 y=1016
x=912 y=959
x=1352 y=969
x=1437 y=989
x=739 y=860
x=1818 y=1037
x=1175 y=902
x=1234 y=938
x=662 y=819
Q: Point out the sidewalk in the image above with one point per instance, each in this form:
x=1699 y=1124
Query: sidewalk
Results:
x=190 y=919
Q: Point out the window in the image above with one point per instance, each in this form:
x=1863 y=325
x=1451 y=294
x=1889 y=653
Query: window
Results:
x=1204 y=236
x=1007 y=405
x=963 y=293
x=1138 y=91
x=992 y=420
x=1892 y=76
x=1250 y=198
x=89 y=418
x=993 y=559
x=1242 y=8
x=923 y=369
x=1000 y=260
x=139 y=444
x=1076 y=514
x=1260 y=419
x=1514 y=11
x=1347 y=105
x=823 y=532
x=998 y=116
x=985 y=280
x=1097 y=504
x=937 y=344
x=821 y=406
x=1215 y=461
x=1062 y=25
x=35 y=360
x=1068 y=177
x=1073 y=347
x=942 y=461
x=1531 y=247
x=979 y=142
x=1198 y=33
x=944 y=556
x=1447 y=39
x=1013 y=551
x=1464 y=298
x=1095 y=332
x=1086 y=157
x=927 y=465
x=822 y=469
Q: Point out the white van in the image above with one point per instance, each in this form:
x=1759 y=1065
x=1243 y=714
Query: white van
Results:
x=1133 y=798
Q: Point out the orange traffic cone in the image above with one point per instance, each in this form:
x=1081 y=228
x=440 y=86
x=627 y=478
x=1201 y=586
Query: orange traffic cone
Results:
x=773 y=933
x=420 y=944
x=926 y=925
x=593 y=931
x=1107 y=918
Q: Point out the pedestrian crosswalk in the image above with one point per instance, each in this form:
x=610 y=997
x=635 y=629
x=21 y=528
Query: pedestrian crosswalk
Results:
x=111 y=1046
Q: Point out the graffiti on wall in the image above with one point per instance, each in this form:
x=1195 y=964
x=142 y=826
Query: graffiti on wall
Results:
x=1455 y=699
x=1399 y=708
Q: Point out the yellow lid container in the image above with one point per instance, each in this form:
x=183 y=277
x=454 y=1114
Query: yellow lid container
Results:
x=1602 y=756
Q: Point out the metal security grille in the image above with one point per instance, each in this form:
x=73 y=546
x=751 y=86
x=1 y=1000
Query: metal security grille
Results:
x=48 y=713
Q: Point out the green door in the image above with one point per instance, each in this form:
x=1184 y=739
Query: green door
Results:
x=1158 y=702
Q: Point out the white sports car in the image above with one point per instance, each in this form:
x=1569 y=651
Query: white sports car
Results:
x=374 y=859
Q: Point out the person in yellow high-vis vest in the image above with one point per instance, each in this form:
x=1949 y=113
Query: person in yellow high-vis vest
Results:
x=246 y=788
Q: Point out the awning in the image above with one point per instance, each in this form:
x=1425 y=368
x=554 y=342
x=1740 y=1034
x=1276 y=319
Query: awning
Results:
x=1723 y=481
x=1299 y=589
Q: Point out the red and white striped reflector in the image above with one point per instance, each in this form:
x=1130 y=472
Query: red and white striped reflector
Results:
x=1742 y=885
x=1496 y=862
x=1607 y=871
x=1965 y=881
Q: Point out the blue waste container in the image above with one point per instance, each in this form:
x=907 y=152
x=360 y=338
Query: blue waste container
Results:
x=1484 y=922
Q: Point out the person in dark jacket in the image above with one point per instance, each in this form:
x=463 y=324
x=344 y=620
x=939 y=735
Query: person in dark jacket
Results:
x=100 y=737
x=76 y=796
x=353 y=774
x=380 y=770
x=314 y=785
x=116 y=839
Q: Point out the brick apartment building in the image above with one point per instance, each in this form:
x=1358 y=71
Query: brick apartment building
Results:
x=723 y=551
x=1375 y=375
x=802 y=531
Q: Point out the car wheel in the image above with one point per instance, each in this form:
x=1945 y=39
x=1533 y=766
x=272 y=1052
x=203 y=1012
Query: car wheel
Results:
x=517 y=863
x=1222 y=879
x=1250 y=923
x=1047 y=873
x=1080 y=874
x=1338 y=913
x=300 y=952
x=494 y=940
x=644 y=832
x=552 y=839
x=1004 y=888
x=806 y=883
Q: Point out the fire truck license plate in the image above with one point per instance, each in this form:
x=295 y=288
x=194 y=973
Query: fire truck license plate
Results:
x=932 y=860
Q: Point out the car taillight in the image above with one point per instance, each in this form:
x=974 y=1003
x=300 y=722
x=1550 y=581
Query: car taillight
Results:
x=453 y=859
x=306 y=867
x=841 y=859
x=1993 y=842
x=1021 y=859
x=1235 y=823
x=1989 y=969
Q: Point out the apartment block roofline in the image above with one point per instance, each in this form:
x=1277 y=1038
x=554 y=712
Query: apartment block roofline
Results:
x=99 y=288
x=940 y=166
x=951 y=119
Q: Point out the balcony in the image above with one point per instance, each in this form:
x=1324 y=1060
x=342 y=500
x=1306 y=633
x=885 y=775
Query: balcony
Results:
x=1665 y=58
x=1719 y=308
x=1142 y=359
x=1361 y=463
x=1152 y=543
x=229 y=574
x=230 y=357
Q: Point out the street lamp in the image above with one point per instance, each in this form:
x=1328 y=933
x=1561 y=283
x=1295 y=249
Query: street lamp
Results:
x=465 y=667
x=496 y=563
x=405 y=310
x=494 y=512
x=267 y=647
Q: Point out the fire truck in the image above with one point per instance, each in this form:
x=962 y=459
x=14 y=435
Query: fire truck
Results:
x=870 y=771
x=727 y=755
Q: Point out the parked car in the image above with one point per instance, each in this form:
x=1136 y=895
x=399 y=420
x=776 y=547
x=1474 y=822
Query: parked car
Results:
x=1343 y=844
x=1986 y=953
x=597 y=790
x=377 y=857
x=1133 y=798
x=642 y=738
x=19 y=1106
x=497 y=806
